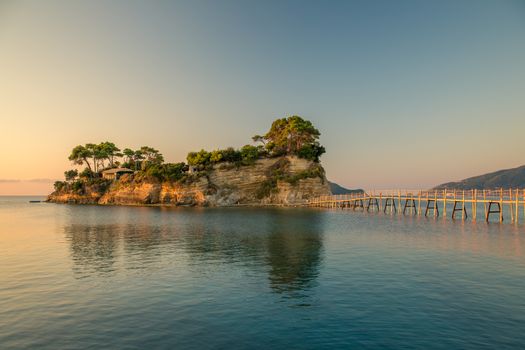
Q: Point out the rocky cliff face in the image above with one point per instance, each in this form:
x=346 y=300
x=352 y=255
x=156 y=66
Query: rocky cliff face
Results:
x=271 y=181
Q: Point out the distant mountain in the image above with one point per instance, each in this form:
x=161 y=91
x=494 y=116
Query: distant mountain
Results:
x=337 y=189
x=503 y=178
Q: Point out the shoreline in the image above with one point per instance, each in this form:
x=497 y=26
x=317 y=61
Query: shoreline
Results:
x=246 y=205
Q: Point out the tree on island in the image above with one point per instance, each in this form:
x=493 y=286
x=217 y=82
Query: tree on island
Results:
x=151 y=155
x=259 y=138
x=129 y=155
x=292 y=135
x=94 y=156
x=133 y=159
x=71 y=175
x=108 y=151
x=287 y=136
x=81 y=155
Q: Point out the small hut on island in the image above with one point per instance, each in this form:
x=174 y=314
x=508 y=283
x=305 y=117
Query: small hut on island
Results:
x=116 y=173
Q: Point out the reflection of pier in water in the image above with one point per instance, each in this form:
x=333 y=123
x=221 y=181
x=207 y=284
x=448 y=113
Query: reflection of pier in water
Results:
x=433 y=203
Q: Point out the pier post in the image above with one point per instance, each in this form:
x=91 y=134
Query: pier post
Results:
x=419 y=203
x=485 y=202
x=463 y=209
x=501 y=205
x=475 y=205
x=463 y=212
x=445 y=203
x=399 y=199
x=426 y=210
x=512 y=197
x=516 y=215
x=490 y=211
x=390 y=202
x=412 y=204
x=435 y=202
x=394 y=208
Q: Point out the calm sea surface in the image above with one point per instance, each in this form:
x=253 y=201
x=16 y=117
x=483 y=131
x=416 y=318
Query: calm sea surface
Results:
x=88 y=277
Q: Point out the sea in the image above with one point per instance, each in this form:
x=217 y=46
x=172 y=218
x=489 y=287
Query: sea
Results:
x=116 y=277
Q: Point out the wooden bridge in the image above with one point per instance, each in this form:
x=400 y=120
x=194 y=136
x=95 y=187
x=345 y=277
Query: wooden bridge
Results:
x=462 y=204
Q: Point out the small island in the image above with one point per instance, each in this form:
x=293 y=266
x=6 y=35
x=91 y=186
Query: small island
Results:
x=283 y=169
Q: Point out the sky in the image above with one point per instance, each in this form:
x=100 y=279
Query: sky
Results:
x=406 y=94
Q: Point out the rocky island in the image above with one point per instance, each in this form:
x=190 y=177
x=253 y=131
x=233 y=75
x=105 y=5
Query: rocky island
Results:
x=284 y=169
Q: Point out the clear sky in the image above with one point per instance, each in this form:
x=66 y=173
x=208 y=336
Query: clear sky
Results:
x=406 y=94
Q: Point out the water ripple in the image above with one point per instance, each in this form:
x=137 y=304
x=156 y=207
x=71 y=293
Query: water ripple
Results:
x=123 y=278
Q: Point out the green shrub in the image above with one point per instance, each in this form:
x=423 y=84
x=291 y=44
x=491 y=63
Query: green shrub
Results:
x=77 y=186
x=311 y=152
x=225 y=155
x=174 y=171
x=153 y=171
x=267 y=187
x=279 y=169
x=86 y=174
x=199 y=159
x=59 y=185
x=276 y=172
x=216 y=156
x=70 y=174
x=249 y=154
x=164 y=172
x=231 y=155
x=312 y=172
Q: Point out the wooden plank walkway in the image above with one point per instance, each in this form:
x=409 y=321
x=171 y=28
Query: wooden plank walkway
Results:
x=462 y=204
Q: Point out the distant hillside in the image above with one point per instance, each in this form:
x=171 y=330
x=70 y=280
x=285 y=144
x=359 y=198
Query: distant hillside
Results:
x=502 y=178
x=337 y=189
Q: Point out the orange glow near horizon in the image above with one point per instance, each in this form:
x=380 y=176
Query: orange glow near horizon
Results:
x=410 y=105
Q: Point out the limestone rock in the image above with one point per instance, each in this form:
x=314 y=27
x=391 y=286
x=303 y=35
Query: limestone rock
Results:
x=269 y=181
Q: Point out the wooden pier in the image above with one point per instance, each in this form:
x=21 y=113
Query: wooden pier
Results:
x=495 y=205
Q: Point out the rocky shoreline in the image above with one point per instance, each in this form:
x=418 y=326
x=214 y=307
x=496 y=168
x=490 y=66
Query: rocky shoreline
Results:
x=280 y=181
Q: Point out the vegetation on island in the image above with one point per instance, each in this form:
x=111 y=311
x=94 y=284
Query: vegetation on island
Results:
x=287 y=136
x=280 y=172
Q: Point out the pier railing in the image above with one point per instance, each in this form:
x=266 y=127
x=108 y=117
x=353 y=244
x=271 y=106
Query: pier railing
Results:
x=461 y=204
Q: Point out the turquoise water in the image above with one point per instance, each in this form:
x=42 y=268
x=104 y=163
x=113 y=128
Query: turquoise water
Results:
x=88 y=277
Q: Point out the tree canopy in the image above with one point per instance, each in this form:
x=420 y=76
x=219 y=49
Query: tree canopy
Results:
x=293 y=136
x=81 y=155
x=106 y=155
x=287 y=136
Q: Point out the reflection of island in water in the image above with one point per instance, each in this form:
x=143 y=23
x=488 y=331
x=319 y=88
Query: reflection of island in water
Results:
x=286 y=243
x=93 y=248
x=294 y=253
